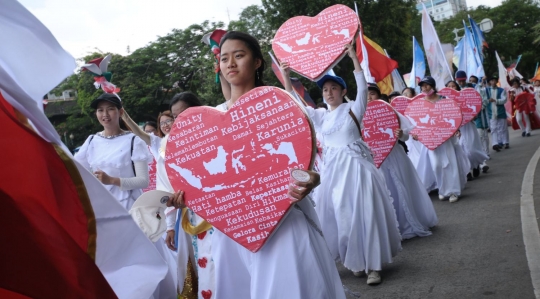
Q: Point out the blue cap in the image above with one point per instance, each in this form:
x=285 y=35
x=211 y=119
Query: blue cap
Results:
x=336 y=79
x=461 y=75
x=427 y=80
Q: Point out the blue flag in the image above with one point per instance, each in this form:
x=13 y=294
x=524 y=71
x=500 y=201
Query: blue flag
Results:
x=419 y=65
x=479 y=38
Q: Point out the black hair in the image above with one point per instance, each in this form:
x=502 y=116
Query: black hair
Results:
x=413 y=91
x=384 y=97
x=253 y=46
x=393 y=94
x=322 y=105
x=452 y=81
x=150 y=123
x=515 y=80
x=525 y=80
x=187 y=97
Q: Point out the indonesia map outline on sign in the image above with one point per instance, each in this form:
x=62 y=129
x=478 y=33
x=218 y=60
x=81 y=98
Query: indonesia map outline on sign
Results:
x=380 y=122
x=234 y=166
x=434 y=123
x=312 y=45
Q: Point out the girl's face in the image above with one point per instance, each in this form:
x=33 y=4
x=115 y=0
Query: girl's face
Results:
x=426 y=87
x=515 y=84
x=237 y=63
x=537 y=83
x=408 y=93
x=372 y=95
x=452 y=85
x=165 y=124
x=333 y=93
x=108 y=115
x=150 y=129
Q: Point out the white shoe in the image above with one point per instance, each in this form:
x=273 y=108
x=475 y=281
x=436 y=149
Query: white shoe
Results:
x=441 y=197
x=453 y=198
x=373 y=278
x=358 y=274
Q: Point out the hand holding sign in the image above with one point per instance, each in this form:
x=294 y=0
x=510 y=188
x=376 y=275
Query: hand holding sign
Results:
x=313 y=45
x=234 y=166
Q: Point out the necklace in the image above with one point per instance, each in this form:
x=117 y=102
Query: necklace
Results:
x=100 y=134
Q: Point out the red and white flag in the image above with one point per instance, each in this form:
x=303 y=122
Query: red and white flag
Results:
x=64 y=235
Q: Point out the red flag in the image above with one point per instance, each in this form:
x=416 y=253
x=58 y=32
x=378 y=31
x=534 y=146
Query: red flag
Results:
x=48 y=224
x=380 y=65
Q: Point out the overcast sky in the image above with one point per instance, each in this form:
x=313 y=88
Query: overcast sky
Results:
x=113 y=25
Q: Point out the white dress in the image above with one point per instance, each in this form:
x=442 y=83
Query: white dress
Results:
x=353 y=204
x=472 y=145
x=294 y=262
x=450 y=166
x=419 y=156
x=414 y=209
x=114 y=157
x=176 y=261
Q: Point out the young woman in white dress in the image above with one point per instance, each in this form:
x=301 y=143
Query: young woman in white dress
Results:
x=295 y=262
x=448 y=162
x=353 y=201
x=184 y=262
x=117 y=158
x=414 y=209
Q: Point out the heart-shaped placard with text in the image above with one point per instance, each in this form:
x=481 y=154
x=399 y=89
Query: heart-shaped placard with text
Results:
x=234 y=166
x=434 y=122
x=380 y=122
x=469 y=100
x=400 y=103
x=313 y=45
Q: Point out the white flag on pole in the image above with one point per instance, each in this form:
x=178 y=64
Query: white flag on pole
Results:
x=438 y=65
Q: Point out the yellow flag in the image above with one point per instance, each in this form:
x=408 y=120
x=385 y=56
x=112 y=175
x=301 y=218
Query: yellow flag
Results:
x=386 y=85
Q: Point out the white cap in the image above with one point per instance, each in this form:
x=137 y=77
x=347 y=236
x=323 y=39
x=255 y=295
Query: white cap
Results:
x=148 y=211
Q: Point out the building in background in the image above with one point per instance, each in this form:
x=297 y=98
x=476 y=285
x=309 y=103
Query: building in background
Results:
x=442 y=9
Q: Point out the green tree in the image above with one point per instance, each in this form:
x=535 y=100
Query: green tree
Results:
x=512 y=34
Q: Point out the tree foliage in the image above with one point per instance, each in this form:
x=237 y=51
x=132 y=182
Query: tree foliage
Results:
x=179 y=61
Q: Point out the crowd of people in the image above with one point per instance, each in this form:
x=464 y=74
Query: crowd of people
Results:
x=358 y=213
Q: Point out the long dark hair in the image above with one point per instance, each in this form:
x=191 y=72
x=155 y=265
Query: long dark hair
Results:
x=255 y=48
x=187 y=97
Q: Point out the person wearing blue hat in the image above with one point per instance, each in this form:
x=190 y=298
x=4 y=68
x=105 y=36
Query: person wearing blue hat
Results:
x=448 y=161
x=495 y=98
x=461 y=79
x=353 y=203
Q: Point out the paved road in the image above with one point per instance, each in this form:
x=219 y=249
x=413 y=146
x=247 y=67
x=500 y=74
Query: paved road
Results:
x=477 y=250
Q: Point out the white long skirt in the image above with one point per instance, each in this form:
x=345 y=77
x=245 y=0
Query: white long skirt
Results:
x=450 y=166
x=356 y=213
x=167 y=288
x=419 y=156
x=294 y=262
x=414 y=209
x=472 y=145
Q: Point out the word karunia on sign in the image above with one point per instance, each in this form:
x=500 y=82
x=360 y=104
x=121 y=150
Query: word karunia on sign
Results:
x=234 y=166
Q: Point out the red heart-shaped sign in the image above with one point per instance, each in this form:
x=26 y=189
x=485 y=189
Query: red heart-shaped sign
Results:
x=313 y=45
x=469 y=100
x=400 y=103
x=434 y=122
x=234 y=166
x=380 y=122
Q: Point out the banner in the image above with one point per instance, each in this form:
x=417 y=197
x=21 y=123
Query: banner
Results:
x=438 y=66
x=470 y=56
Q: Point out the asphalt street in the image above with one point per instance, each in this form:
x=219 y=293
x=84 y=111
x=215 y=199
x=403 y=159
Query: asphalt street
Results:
x=477 y=249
